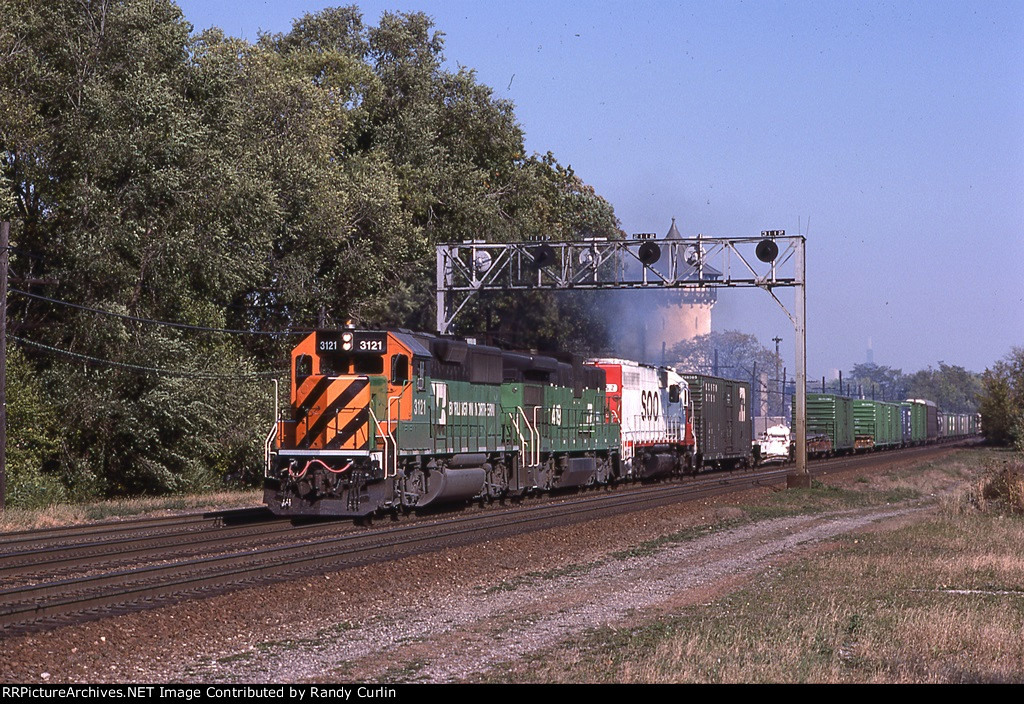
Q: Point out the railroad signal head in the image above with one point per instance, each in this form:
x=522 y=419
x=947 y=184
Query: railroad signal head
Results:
x=767 y=250
x=649 y=253
x=543 y=254
x=482 y=262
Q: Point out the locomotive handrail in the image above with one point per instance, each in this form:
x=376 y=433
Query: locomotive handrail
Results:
x=385 y=436
x=522 y=440
x=394 y=443
x=267 y=444
x=534 y=448
x=535 y=430
x=271 y=436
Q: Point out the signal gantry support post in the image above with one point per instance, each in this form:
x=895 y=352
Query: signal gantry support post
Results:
x=773 y=260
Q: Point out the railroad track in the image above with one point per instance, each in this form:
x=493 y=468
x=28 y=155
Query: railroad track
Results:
x=183 y=562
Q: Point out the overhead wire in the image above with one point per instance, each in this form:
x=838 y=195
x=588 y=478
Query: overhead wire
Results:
x=136 y=367
x=150 y=321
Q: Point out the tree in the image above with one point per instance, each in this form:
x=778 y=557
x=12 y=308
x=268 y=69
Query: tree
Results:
x=270 y=186
x=733 y=355
x=1002 y=400
x=878 y=382
x=953 y=388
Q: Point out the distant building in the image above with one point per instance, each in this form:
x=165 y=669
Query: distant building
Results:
x=680 y=315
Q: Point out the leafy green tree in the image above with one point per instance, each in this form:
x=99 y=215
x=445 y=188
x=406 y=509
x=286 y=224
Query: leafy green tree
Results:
x=878 y=382
x=1002 y=400
x=33 y=444
x=122 y=199
x=268 y=186
x=953 y=388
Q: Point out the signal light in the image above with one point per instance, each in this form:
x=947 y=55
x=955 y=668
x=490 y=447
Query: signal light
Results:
x=767 y=250
x=649 y=253
x=482 y=262
x=543 y=254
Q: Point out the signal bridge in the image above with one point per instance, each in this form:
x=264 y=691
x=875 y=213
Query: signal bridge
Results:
x=773 y=260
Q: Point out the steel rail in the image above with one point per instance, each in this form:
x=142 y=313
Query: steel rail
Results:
x=125 y=588
x=104 y=529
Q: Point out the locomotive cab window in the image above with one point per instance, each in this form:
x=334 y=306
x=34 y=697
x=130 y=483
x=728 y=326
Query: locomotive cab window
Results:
x=369 y=365
x=673 y=393
x=399 y=369
x=329 y=366
x=303 y=368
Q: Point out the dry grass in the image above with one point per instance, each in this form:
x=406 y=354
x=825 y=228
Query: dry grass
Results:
x=941 y=600
x=65 y=514
x=1003 y=488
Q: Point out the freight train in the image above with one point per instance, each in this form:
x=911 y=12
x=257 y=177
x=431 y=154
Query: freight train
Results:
x=394 y=421
x=844 y=425
x=383 y=421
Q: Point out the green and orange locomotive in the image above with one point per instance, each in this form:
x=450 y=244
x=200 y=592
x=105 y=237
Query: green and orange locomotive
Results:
x=398 y=420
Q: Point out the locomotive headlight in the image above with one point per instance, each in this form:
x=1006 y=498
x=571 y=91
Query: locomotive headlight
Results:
x=346 y=341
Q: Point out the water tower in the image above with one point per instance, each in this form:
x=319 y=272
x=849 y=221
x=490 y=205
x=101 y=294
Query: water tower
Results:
x=680 y=315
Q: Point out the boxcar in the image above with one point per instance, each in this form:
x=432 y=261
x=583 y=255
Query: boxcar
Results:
x=832 y=415
x=876 y=424
x=929 y=414
x=721 y=420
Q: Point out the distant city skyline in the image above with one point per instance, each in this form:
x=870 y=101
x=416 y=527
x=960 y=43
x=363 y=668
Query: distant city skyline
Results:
x=891 y=133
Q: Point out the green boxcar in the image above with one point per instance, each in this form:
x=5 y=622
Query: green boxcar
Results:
x=892 y=412
x=866 y=424
x=831 y=415
x=917 y=425
x=872 y=419
x=879 y=419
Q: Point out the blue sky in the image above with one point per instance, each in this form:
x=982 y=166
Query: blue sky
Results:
x=896 y=129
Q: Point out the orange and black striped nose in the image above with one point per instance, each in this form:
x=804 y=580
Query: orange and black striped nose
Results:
x=333 y=413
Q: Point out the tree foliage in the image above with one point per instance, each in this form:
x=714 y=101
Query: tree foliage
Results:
x=281 y=184
x=878 y=382
x=953 y=388
x=1002 y=400
x=734 y=355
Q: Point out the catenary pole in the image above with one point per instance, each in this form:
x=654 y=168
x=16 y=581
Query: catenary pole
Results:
x=800 y=477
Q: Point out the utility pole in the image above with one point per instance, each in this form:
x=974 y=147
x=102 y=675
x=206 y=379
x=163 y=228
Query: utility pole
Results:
x=799 y=478
x=778 y=361
x=5 y=241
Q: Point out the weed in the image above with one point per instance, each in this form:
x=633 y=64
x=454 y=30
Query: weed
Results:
x=1003 y=487
x=531 y=578
x=649 y=547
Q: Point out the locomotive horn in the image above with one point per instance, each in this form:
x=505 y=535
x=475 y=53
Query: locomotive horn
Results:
x=649 y=253
x=767 y=250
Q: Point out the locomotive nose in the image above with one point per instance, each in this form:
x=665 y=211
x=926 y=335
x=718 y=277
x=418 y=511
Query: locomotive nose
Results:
x=338 y=416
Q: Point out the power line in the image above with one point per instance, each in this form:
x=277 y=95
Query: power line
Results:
x=139 y=368
x=165 y=323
